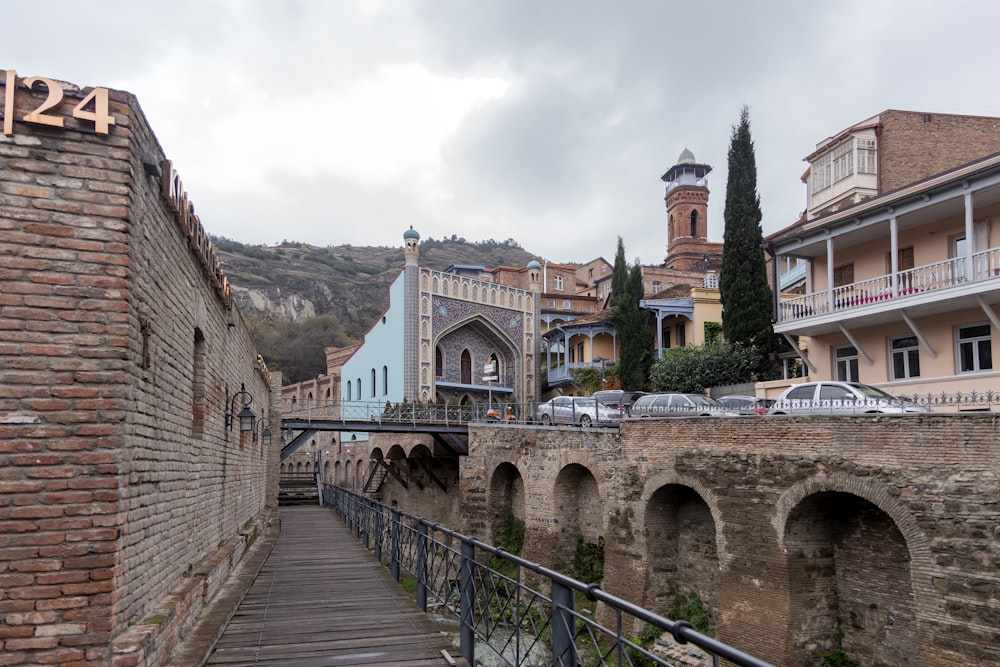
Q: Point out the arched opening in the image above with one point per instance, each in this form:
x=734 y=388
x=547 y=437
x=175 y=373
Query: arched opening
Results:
x=578 y=513
x=682 y=551
x=849 y=568
x=694 y=222
x=466 y=367
x=438 y=362
x=507 y=504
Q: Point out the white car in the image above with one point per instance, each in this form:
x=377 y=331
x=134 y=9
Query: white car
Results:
x=582 y=411
x=679 y=405
x=840 y=398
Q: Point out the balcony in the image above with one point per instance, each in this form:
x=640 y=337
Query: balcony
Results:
x=924 y=290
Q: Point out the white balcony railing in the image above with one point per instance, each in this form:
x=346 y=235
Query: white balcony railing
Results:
x=922 y=279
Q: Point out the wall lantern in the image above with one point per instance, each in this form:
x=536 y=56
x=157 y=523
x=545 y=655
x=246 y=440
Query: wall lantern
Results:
x=265 y=432
x=246 y=416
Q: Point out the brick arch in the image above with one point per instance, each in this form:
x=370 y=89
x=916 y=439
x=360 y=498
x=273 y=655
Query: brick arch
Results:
x=577 y=510
x=654 y=483
x=877 y=493
x=506 y=495
x=842 y=523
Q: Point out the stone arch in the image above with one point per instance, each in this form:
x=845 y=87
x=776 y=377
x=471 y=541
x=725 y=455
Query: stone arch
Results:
x=855 y=558
x=483 y=336
x=506 y=493
x=326 y=472
x=577 y=510
x=349 y=474
x=338 y=472
x=681 y=547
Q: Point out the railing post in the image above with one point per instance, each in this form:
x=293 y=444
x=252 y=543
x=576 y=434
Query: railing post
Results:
x=563 y=625
x=467 y=628
x=366 y=531
x=395 y=547
x=422 y=566
x=379 y=518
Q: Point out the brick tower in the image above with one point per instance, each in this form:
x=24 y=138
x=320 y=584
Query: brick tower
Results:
x=688 y=247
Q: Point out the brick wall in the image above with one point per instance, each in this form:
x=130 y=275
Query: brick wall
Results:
x=119 y=480
x=913 y=146
x=786 y=527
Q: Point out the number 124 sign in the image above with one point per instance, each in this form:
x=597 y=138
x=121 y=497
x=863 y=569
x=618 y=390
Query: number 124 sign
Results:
x=92 y=108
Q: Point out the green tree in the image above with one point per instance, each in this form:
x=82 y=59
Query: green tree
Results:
x=631 y=322
x=746 y=297
x=695 y=369
x=297 y=349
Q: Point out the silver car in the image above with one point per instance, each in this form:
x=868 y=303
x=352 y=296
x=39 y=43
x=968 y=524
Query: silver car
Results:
x=579 y=410
x=840 y=398
x=679 y=405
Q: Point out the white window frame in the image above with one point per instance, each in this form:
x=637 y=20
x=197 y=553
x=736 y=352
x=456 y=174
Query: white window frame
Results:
x=845 y=363
x=973 y=344
x=908 y=354
x=821 y=174
x=843 y=161
x=866 y=156
x=557 y=283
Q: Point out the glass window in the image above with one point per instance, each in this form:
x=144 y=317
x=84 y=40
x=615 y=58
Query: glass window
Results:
x=843 y=275
x=866 y=156
x=566 y=304
x=975 y=348
x=821 y=174
x=681 y=335
x=905 y=357
x=843 y=161
x=847 y=363
x=557 y=283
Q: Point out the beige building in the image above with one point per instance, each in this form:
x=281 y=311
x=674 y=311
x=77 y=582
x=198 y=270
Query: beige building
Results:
x=899 y=287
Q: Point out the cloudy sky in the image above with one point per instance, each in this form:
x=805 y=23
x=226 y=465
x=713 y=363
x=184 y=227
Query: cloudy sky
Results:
x=549 y=122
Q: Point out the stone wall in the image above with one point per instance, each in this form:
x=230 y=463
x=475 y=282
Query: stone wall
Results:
x=125 y=500
x=785 y=527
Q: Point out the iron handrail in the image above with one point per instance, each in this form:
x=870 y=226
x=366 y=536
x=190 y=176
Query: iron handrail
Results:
x=501 y=610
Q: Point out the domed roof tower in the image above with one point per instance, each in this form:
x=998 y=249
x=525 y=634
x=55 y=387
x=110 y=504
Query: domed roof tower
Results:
x=686 y=198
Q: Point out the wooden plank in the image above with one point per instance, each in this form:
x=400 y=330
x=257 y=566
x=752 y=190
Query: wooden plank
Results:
x=322 y=599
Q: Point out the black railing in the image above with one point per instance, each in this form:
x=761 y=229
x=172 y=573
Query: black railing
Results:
x=495 y=596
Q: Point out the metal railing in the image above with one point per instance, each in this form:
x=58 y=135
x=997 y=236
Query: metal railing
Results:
x=496 y=597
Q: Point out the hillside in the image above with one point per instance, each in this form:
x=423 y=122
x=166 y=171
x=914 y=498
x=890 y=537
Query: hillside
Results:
x=282 y=290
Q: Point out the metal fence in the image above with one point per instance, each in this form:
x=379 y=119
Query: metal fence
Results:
x=498 y=600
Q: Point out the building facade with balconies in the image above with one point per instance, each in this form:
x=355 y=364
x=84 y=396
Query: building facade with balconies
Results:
x=900 y=288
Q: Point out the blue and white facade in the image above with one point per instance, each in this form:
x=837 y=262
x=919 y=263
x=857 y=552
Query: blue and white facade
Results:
x=440 y=332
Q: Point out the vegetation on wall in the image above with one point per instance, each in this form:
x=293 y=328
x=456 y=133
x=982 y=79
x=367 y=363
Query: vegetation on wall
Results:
x=588 y=561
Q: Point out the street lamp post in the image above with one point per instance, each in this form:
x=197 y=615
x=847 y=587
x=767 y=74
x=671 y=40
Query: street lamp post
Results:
x=604 y=379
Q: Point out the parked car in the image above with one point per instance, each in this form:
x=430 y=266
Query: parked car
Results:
x=579 y=410
x=679 y=405
x=840 y=398
x=747 y=405
x=618 y=399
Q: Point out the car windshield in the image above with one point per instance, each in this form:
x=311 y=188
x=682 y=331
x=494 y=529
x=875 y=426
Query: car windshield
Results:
x=705 y=400
x=872 y=392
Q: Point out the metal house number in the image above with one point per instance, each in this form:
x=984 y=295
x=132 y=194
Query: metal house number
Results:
x=93 y=107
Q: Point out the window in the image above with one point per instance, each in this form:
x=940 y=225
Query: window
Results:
x=975 y=348
x=590 y=273
x=359 y=390
x=821 y=174
x=843 y=161
x=385 y=380
x=656 y=287
x=846 y=359
x=694 y=223
x=349 y=394
x=866 y=156
x=579 y=351
x=905 y=352
x=843 y=275
x=557 y=283
x=552 y=303
x=374 y=384
x=904 y=256
x=681 y=335
x=438 y=362
x=566 y=304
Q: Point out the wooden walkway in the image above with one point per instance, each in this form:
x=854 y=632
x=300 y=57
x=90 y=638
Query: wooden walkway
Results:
x=322 y=599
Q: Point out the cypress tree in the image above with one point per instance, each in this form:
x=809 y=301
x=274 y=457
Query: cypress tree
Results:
x=746 y=297
x=634 y=341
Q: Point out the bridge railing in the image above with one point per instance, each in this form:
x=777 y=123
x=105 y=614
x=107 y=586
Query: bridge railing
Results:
x=408 y=413
x=498 y=597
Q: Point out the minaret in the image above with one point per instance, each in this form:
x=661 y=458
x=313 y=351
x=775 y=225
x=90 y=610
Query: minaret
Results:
x=411 y=316
x=687 y=212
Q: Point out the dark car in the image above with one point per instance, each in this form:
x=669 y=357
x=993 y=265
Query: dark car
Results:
x=618 y=399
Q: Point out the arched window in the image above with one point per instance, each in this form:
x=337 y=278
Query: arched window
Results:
x=438 y=362
x=385 y=380
x=694 y=223
x=466 y=367
x=374 y=384
x=349 y=394
x=359 y=389
x=198 y=391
